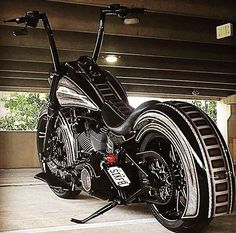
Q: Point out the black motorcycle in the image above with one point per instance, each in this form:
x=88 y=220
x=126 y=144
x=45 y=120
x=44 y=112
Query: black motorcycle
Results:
x=169 y=155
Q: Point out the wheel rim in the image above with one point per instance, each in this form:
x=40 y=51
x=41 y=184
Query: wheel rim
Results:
x=58 y=147
x=174 y=209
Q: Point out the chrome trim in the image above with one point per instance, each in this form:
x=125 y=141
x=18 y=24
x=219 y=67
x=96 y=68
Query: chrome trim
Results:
x=70 y=94
x=216 y=182
x=230 y=172
x=71 y=145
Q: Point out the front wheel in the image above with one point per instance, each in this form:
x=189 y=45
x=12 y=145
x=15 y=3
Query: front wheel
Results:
x=59 y=152
x=189 y=169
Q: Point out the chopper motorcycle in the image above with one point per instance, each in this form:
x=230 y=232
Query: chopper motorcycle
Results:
x=169 y=155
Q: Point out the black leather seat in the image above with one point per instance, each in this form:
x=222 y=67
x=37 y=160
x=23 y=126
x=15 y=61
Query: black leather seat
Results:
x=120 y=125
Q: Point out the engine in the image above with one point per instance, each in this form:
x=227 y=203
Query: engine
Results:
x=96 y=147
x=92 y=140
x=93 y=178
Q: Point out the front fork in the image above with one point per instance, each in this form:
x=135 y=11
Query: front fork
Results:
x=52 y=114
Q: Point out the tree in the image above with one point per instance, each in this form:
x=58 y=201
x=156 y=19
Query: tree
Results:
x=23 y=110
x=209 y=107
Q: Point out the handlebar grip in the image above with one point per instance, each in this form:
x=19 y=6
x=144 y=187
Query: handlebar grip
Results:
x=10 y=21
x=136 y=10
x=31 y=18
x=122 y=11
x=17 y=20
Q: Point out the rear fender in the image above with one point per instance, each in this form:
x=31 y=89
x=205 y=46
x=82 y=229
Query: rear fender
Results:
x=187 y=153
x=209 y=152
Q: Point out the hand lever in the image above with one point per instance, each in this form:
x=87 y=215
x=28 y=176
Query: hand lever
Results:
x=10 y=21
x=21 y=32
x=17 y=20
x=31 y=18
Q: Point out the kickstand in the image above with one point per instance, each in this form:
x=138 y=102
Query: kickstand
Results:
x=101 y=211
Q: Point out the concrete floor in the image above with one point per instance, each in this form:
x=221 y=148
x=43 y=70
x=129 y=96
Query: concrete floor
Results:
x=28 y=206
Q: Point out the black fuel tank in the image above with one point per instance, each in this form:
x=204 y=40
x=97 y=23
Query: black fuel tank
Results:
x=84 y=84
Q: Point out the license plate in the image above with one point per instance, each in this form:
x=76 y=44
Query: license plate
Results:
x=119 y=176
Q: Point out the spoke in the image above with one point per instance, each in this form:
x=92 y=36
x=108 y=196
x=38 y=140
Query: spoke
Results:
x=184 y=193
x=171 y=173
x=44 y=117
x=157 y=164
x=153 y=169
x=177 y=200
x=172 y=154
x=167 y=180
x=42 y=134
x=170 y=212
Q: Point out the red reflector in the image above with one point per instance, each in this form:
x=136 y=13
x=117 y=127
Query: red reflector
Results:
x=111 y=159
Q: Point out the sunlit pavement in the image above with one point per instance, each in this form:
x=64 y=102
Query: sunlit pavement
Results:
x=28 y=206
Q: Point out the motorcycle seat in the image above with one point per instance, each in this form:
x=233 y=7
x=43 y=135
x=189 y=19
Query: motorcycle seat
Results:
x=121 y=125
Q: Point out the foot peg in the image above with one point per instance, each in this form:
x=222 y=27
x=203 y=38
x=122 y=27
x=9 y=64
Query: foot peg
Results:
x=101 y=211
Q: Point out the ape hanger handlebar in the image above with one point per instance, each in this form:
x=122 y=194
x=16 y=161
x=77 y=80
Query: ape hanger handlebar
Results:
x=114 y=9
x=121 y=11
x=32 y=18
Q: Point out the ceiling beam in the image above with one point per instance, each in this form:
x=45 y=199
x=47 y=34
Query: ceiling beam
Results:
x=194 y=85
x=179 y=84
x=82 y=18
x=35 y=54
x=171 y=64
x=140 y=89
x=201 y=8
x=24 y=75
x=225 y=81
x=175 y=91
x=207 y=78
x=126 y=61
x=176 y=76
x=230 y=100
x=26 y=67
x=6 y=82
x=23 y=89
x=78 y=41
x=172 y=52
x=132 y=84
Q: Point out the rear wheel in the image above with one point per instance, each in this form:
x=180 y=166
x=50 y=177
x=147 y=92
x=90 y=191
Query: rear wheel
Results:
x=59 y=148
x=192 y=156
x=168 y=178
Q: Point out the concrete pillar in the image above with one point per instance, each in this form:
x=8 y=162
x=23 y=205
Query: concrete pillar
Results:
x=223 y=114
x=231 y=101
x=232 y=131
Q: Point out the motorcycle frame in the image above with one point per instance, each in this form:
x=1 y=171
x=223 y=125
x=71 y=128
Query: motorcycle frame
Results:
x=54 y=105
x=113 y=10
x=32 y=19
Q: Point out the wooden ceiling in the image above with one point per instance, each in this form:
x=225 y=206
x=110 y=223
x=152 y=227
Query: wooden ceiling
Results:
x=172 y=52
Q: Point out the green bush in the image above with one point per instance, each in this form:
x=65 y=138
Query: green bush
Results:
x=22 y=110
x=208 y=107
